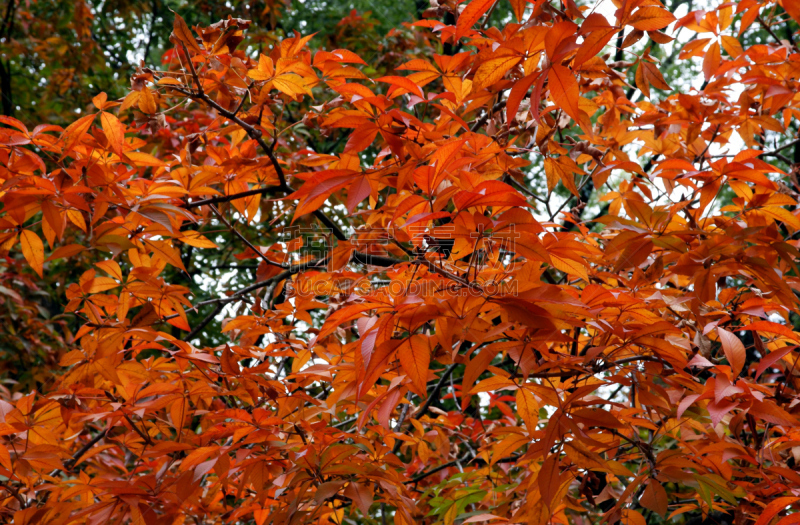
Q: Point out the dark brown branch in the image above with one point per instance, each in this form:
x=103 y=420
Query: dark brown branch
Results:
x=436 y=391
x=434 y=470
x=602 y=368
x=420 y=477
x=235 y=196
x=243 y=238
x=478 y=124
x=210 y=317
x=258 y=136
x=768 y=29
x=14 y=492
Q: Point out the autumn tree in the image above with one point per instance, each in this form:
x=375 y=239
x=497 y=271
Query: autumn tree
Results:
x=530 y=270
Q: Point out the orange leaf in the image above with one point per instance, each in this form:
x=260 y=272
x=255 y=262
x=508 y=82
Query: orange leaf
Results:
x=291 y=84
x=772 y=328
x=772 y=413
x=177 y=412
x=193 y=238
x=632 y=517
x=265 y=70
x=651 y=18
x=182 y=32
x=493 y=70
x=415 y=358
x=548 y=479
x=518 y=6
x=528 y=408
x=74 y=133
x=564 y=90
x=791 y=7
x=167 y=253
x=33 y=250
x=66 y=251
x=775 y=506
x=147 y=102
x=593 y=44
x=99 y=100
x=471 y=14
x=401 y=82
x=711 y=61
x=562 y=168
x=114 y=131
x=143 y=159
x=772 y=358
x=361 y=495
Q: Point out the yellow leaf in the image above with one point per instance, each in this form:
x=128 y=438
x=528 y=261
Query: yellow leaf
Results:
x=99 y=101
x=169 y=81
x=493 y=70
x=193 y=238
x=265 y=71
x=528 y=408
x=291 y=85
x=144 y=159
x=493 y=383
x=570 y=267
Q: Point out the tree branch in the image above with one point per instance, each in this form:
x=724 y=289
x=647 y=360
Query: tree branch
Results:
x=243 y=238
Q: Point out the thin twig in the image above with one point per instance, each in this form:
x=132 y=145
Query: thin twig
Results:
x=244 y=239
x=436 y=390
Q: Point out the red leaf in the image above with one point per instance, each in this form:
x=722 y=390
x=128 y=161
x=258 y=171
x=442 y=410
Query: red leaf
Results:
x=517 y=95
x=378 y=361
x=403 y=83
x=772 y=358
x=734 y=350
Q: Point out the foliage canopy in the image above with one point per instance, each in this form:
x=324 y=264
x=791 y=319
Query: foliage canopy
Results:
x=487 y=267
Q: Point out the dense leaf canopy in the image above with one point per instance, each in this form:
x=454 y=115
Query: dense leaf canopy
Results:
x=497 y=261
